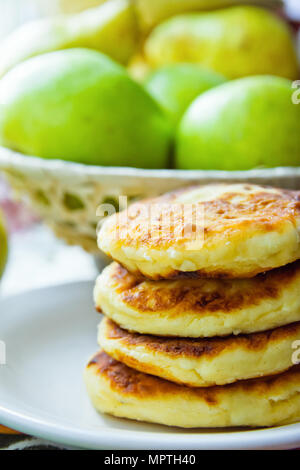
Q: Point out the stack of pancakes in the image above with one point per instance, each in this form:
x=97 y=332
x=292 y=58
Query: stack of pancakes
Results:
x=202 y=309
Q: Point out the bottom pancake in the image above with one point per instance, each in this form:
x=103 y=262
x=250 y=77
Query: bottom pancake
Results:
x=121 y=391
x=202 y=362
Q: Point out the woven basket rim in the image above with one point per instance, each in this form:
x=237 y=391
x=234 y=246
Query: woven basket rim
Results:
x=10 y=159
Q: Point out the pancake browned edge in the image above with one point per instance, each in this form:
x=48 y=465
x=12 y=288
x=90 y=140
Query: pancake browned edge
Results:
x=121 y=391
x=202 y=362
x=218 y=230
x=199 y=307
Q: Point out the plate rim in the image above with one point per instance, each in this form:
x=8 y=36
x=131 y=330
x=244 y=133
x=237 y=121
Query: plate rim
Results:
x=284 y=437
x=36 y=424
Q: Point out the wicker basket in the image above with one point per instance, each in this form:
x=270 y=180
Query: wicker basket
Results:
x=66 y=195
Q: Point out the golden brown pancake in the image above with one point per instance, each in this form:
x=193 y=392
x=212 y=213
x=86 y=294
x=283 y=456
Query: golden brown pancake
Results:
x=220 y=230
x=202 y=362
x=199 y=307
x=121 y=391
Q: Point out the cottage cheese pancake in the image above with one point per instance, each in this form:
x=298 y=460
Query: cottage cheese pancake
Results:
x=202 y=362
x=199 y=307
x=121 y=391
x=221 y=230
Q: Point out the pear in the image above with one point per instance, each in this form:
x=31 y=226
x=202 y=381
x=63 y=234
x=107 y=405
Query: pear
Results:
x=138 y=68
x=110 y=28
x=175 y=86
x=3 y=245
x=74 y=6
x=153 y=12
x=79 y=105
x=235 y=42
x=246 y=123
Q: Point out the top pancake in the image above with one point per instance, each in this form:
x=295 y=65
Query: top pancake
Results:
x=218 y=230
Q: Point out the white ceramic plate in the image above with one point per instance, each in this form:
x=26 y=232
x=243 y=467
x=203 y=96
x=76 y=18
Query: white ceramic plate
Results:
x=50 y=335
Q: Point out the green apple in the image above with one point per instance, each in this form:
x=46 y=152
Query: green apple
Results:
x=3 y=245
x=79 y=105
x=246 y=123
x=235 y=42
x=176 y=86
x=110 y=28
